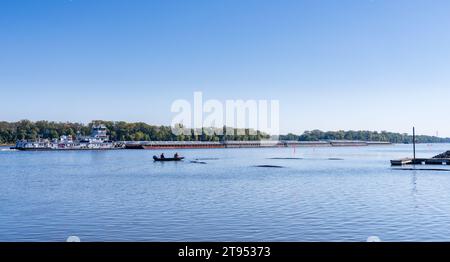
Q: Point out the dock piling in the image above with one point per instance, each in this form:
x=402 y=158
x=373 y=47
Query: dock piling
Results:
x=414 y=144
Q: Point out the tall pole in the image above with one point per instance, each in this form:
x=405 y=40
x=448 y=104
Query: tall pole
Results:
x=414 y=144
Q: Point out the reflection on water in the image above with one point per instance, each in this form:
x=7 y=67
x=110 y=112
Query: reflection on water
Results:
x=235 y=195
x=414 y=189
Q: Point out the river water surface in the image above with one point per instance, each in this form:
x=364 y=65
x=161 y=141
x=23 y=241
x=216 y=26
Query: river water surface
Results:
x=330 y=194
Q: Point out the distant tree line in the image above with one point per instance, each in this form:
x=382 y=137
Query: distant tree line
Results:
x=383 y=136
x=10 y=132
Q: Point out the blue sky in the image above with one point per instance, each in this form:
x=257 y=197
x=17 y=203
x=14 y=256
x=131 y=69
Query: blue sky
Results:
x=361 y=64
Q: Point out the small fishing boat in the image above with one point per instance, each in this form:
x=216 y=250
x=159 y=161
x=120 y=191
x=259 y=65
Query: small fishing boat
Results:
x=167 y=158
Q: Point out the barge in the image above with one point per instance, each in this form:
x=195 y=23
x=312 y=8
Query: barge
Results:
x=242 y=144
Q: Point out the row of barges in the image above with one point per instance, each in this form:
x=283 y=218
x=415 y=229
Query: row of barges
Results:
x=99 y=140
x=243 y=144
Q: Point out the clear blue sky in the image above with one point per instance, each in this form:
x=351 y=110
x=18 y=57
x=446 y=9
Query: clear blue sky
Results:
x=362 y=64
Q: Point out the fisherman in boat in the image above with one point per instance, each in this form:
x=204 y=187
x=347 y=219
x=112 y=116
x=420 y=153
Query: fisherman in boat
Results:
x=163 y=158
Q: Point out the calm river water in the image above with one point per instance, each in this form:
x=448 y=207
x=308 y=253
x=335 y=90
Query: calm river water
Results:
x=331 y=194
